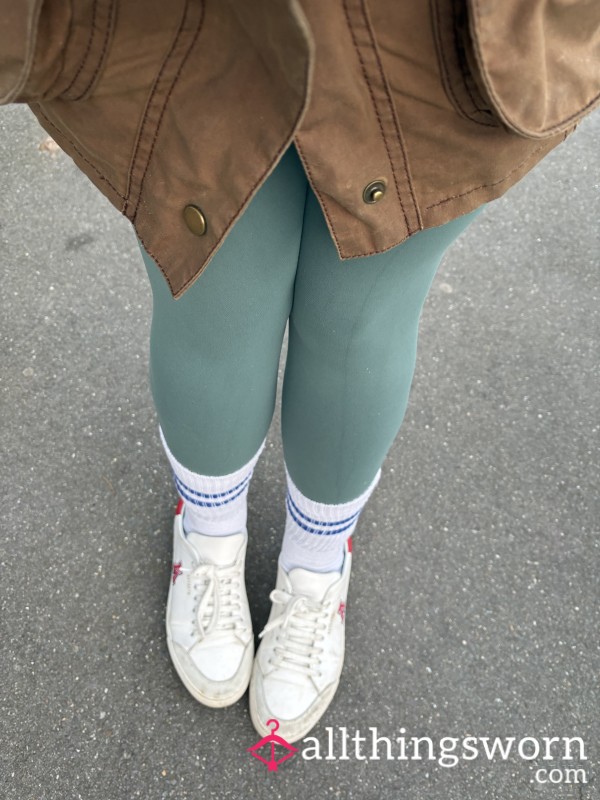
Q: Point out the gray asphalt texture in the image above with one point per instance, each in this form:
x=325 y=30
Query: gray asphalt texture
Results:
x=474 y=606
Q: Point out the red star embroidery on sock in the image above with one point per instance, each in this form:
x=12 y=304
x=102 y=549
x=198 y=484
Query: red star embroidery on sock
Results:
x=342 y=610
x=177 y=571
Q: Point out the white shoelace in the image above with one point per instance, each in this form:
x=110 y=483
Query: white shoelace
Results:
x=219 y=610
x=299 y=625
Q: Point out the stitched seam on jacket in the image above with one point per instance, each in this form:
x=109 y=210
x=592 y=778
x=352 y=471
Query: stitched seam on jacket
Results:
x=80 y=154
x=434 y=7
x=102 y=52
x=168 y=96
x=32 y=66
x=437 y=35
x=557 y=128
x=364 y=71
x=472 y=97
x=394 y=118
x=489 y=185
x=87 y=49
x=147 y=109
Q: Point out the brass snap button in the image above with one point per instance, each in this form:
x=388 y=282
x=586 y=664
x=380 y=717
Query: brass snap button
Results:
x=195 y=220
x=374 y=191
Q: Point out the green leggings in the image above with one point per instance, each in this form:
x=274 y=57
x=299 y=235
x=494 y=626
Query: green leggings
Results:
x=214 y=353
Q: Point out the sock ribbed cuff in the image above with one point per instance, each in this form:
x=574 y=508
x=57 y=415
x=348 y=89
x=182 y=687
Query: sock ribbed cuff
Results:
x=325 y=518
x=315 y=533
x=214 y=504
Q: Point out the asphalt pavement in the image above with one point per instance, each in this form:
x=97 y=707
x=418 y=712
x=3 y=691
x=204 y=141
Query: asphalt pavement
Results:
x=474 y=606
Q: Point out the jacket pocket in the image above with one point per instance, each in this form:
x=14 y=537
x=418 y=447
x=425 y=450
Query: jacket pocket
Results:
x=539 y=61
x=532 y=65
x=456 y=61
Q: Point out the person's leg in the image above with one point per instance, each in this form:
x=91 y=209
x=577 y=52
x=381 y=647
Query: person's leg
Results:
x=351 y=356
x=214 y=353
x=214 y=357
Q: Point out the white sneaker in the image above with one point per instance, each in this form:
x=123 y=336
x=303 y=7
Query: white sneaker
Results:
x=209 y=629
x=299 y=660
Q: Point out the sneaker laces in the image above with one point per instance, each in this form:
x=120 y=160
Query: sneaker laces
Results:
x=219 y=610
x=299 y=625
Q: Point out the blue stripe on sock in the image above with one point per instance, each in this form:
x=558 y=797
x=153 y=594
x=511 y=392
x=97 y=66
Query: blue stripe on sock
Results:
x=183 y=491
x=304 y=527
x=193 y=492
x=318 y=521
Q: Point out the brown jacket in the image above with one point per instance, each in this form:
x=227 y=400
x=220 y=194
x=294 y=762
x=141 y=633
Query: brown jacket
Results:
x=406 y=113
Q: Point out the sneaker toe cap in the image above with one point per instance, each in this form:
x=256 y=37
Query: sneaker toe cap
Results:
x=295 y=707
x=286 y=700
x=218 y=663
x=216 y=686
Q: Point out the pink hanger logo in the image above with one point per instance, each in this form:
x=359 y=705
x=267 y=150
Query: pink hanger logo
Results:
x=272 y=739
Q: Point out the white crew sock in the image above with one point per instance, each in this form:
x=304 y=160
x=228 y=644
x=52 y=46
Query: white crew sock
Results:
x=216 y=505
x=315 y=533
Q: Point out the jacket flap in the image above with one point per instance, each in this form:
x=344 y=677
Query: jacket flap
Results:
x=18 y=28
x=539 y=61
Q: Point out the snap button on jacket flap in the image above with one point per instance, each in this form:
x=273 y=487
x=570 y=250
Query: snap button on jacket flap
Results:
x=539 y=61
x=195 y=220
x=374 y=191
